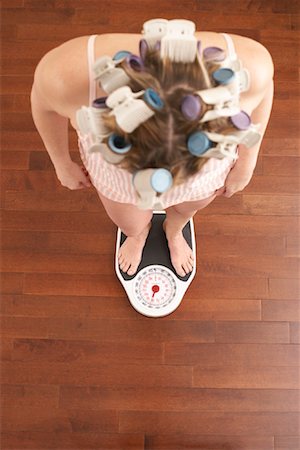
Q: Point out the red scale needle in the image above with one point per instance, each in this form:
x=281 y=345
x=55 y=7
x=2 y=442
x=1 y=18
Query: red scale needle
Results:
x=155 y=289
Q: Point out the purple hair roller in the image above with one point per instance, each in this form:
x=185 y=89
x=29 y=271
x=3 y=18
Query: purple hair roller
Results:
x=99 y=102
x=191 y=107
x=157 y=46
x=199 y=47
x=135 y=62
x=213 y=54
x=143 y=49
x=242 y=120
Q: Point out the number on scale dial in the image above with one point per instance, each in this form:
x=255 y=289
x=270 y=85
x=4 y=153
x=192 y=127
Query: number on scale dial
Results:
x=155 y=287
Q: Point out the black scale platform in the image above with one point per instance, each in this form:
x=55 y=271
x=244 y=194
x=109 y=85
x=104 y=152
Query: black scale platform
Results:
x=156 y=250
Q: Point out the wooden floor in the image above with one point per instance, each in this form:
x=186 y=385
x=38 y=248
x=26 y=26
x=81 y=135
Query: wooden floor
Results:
x=80 y=368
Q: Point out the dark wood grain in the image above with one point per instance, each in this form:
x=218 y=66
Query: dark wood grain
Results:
x=80 y=369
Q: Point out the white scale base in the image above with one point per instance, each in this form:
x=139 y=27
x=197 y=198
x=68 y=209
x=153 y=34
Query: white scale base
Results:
x=155 y=290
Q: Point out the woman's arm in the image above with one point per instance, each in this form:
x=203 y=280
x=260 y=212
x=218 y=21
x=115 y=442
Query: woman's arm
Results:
x=260 y=115
x=47 y=91
x=51 y=98
x=262 y=87
x=53 y=130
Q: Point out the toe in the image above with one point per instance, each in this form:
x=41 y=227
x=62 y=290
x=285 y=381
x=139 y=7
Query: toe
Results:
x=125 y=266
x=181 y=272
x=186 y=268
x=190 y=265
x=132 y=270
x=178 y=268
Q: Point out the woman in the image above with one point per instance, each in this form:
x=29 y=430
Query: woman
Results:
x=64 y=81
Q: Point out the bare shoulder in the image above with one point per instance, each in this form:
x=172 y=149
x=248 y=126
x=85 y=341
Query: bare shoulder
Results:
x=256 y=58
x=62 y=77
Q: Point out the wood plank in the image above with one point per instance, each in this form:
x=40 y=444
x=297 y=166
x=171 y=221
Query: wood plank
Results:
x=28 y=261
x=14 y=140
x=12 y=4
x=63 y=306
x=283 y=289
x=282 y=205
x=242 y=226
x=86 y=221
x=247 y=355
x=35 y=418
x=104 y=329
x=252 y=332
x=132 y=369
x=281 y=146
x=253 y=266
x=235 y=245
x=12 y=283
x=177 y=399
x=281 y=310
x=280 y=166
x=198 y=441
x=273 y=185
x=293 y=245
x=59 y=200
x=21 y=396
x=295 y=332
x=68 y=284
x=102 y=441
x=99 y=243
x=287 y=442
x=16 y=160
x=268 y=377
x=88 y=350
x=210 y=423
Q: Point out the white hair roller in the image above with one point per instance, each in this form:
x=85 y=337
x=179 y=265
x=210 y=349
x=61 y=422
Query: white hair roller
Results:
x=248 y=137
x=110 y=76
x=179 y=43
x=89 y=120
x=130 y=112
x=153 y=31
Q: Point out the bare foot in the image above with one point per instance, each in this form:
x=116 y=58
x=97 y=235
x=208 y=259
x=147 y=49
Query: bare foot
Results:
x=181 y=253
x=130 y=252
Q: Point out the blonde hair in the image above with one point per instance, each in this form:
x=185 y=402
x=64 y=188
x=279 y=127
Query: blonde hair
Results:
x=161 y=141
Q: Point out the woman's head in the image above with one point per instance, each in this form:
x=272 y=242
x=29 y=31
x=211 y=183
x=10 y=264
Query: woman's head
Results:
x=198 y=108
x=161 y=141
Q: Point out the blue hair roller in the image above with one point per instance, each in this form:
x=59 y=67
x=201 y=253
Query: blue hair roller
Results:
x=223 y=76
x=198 y=143
x=153 y=99
x=121 y=54
x=161 y=180
x=118 y=144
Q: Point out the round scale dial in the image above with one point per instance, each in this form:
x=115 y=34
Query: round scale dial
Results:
x=155 y=287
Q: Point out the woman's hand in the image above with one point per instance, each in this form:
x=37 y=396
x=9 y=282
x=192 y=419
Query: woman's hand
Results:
x=237 y=179
x=72 y=176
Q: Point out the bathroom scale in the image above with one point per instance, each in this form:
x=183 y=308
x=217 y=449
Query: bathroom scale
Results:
x=156 y=290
